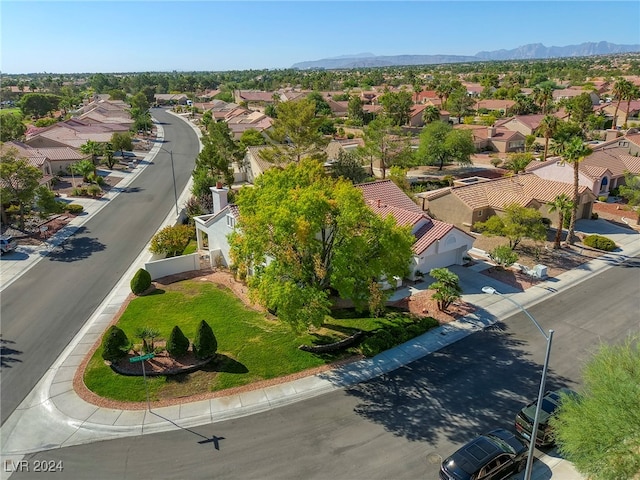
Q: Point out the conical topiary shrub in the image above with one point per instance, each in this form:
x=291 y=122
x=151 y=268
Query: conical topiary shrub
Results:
x=140 y=282
x=205 y=343
x=178 y=344
x=114 y=344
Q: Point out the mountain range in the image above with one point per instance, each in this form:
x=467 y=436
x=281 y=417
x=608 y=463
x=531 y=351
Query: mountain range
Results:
x=524 y=52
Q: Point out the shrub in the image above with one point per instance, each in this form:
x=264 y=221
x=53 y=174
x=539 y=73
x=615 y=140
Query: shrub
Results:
x=178 y=344
x=140 y=282
x=495 y=161
x=599 y=242
x=205 y=343
x=12 y=210
x=602 y=198
x=379 y=342
x=94 y=190
x=74 y=208
x=503 y=256
x=594 y=216
x=171 y=240
x=115 y=344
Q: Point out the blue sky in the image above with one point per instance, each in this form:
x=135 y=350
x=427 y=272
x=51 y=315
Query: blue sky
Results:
x=126 y=36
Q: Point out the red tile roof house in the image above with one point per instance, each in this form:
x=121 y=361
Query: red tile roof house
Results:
x=525 y=124
x=497 y=139
x=437 y=244
x=631 y=116
x=73 y=133
x=33 y=157
x=601 y=171
x=465 y=205
x=58 y=159
x=498 y=105
x=253 y=98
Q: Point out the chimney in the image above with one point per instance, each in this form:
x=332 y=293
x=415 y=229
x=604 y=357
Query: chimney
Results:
x=491 y=131
x=611 y=134
x=219 y=196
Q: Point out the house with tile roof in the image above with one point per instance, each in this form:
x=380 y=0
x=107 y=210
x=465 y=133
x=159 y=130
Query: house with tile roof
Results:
x=626 y=112
x=466 y=205
x=525 y=124
x=601 y=171
x=51 y=160
x=501 y=106
x=437 y=244
x=497 y=139
x=72 y=133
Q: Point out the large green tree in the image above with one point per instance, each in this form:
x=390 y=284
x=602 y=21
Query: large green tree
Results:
x=516 y=224
x=385 y=142
x=441 y=144
x=18 y=180
x=397 y=106
x=349 y=166
x=599 y=431
x=11 y=127
x=355 y=110
x=305 y=234
x=631 y=191
x=122 y=141
x=296 y=133
x=93 y=148
x=38 y=104
x=547 y=128
x=219 y=152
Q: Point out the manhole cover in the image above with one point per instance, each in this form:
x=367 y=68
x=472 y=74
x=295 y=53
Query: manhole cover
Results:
x=434 y=458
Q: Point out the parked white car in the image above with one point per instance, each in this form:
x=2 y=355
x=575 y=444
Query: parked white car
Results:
x=7 y=244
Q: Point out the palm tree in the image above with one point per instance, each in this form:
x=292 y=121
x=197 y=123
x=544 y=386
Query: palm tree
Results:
x=92 y=148
x=548 y=126
x=561 y=204
x=574 y=153
x=620 y=91
x=632 y=93
x=431 y=114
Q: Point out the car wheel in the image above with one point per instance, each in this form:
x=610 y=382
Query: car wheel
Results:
x=522 y=465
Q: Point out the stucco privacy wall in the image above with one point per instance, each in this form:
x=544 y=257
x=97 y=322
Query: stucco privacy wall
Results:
x=171 y=266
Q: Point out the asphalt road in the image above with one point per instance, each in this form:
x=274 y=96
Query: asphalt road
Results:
x=397 y=426
x=45 y=308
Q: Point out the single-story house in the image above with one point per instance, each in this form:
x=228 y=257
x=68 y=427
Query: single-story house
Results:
x=626 y=112
x=525 y=124
x=170 y=98
x=73 y=133
x=601 y=171
x=497 y=139
x=466 y=205
x=501 y=106
x=437 y=244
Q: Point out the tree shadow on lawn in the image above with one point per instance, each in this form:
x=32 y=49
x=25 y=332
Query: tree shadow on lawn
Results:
x=472 y=386
x=224 y=364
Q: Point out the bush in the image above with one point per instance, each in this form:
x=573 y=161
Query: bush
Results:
x=205 y=343
x=602 y=198
x=12 y=210
x=594 y=216
x=171 y=240
x=599 y=242
x=379 y=342
x=74 y=208
x=178 y=344
x=94 y=190
x=115 y=344
x=503 y=256
x=140 y=282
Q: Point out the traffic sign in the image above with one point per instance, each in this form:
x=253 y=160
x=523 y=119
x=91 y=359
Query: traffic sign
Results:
x=142 y=358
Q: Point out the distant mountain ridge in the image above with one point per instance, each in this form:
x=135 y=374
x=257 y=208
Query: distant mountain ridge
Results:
x=524 y=52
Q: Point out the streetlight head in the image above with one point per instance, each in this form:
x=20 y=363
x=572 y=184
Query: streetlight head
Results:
x=489 y=290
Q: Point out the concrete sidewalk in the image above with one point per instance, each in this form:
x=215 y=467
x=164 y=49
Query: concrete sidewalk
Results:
x=53 y=416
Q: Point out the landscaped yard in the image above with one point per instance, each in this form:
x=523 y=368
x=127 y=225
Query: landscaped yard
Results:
x=252 y=346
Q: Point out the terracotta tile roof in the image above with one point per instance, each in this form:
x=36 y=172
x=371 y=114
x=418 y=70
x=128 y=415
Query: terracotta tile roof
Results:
x=521 y=189
x=385 y=198
x=255 y=96
x=495 y=104
x=613 y=157
x=31 y=155
x=61 y=153
x=531 y=121
x=429 y=233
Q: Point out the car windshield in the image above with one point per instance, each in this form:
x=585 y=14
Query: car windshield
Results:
x=500 y=442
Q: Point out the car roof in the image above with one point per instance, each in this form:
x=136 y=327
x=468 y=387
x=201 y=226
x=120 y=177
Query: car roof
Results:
x=550 y=403
x=475 y=454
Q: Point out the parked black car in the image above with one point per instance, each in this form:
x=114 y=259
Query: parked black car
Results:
x=493 y=456
x=524 y=419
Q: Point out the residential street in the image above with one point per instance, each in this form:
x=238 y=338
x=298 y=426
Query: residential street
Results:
x=45 y=308
x=398 y=425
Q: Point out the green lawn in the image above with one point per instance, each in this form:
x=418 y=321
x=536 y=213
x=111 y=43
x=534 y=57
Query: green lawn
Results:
x=7 y=111
x=251 y=346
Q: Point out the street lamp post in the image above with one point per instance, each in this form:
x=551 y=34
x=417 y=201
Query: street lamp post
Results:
x=536 y=419
x=173 y=174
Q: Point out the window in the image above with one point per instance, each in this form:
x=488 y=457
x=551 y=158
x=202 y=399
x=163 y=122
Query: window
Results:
x=231 y=221
x=479 y=213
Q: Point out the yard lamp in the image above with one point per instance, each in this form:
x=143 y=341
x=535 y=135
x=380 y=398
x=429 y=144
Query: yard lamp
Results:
x=173 y=174
x=536 y=419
